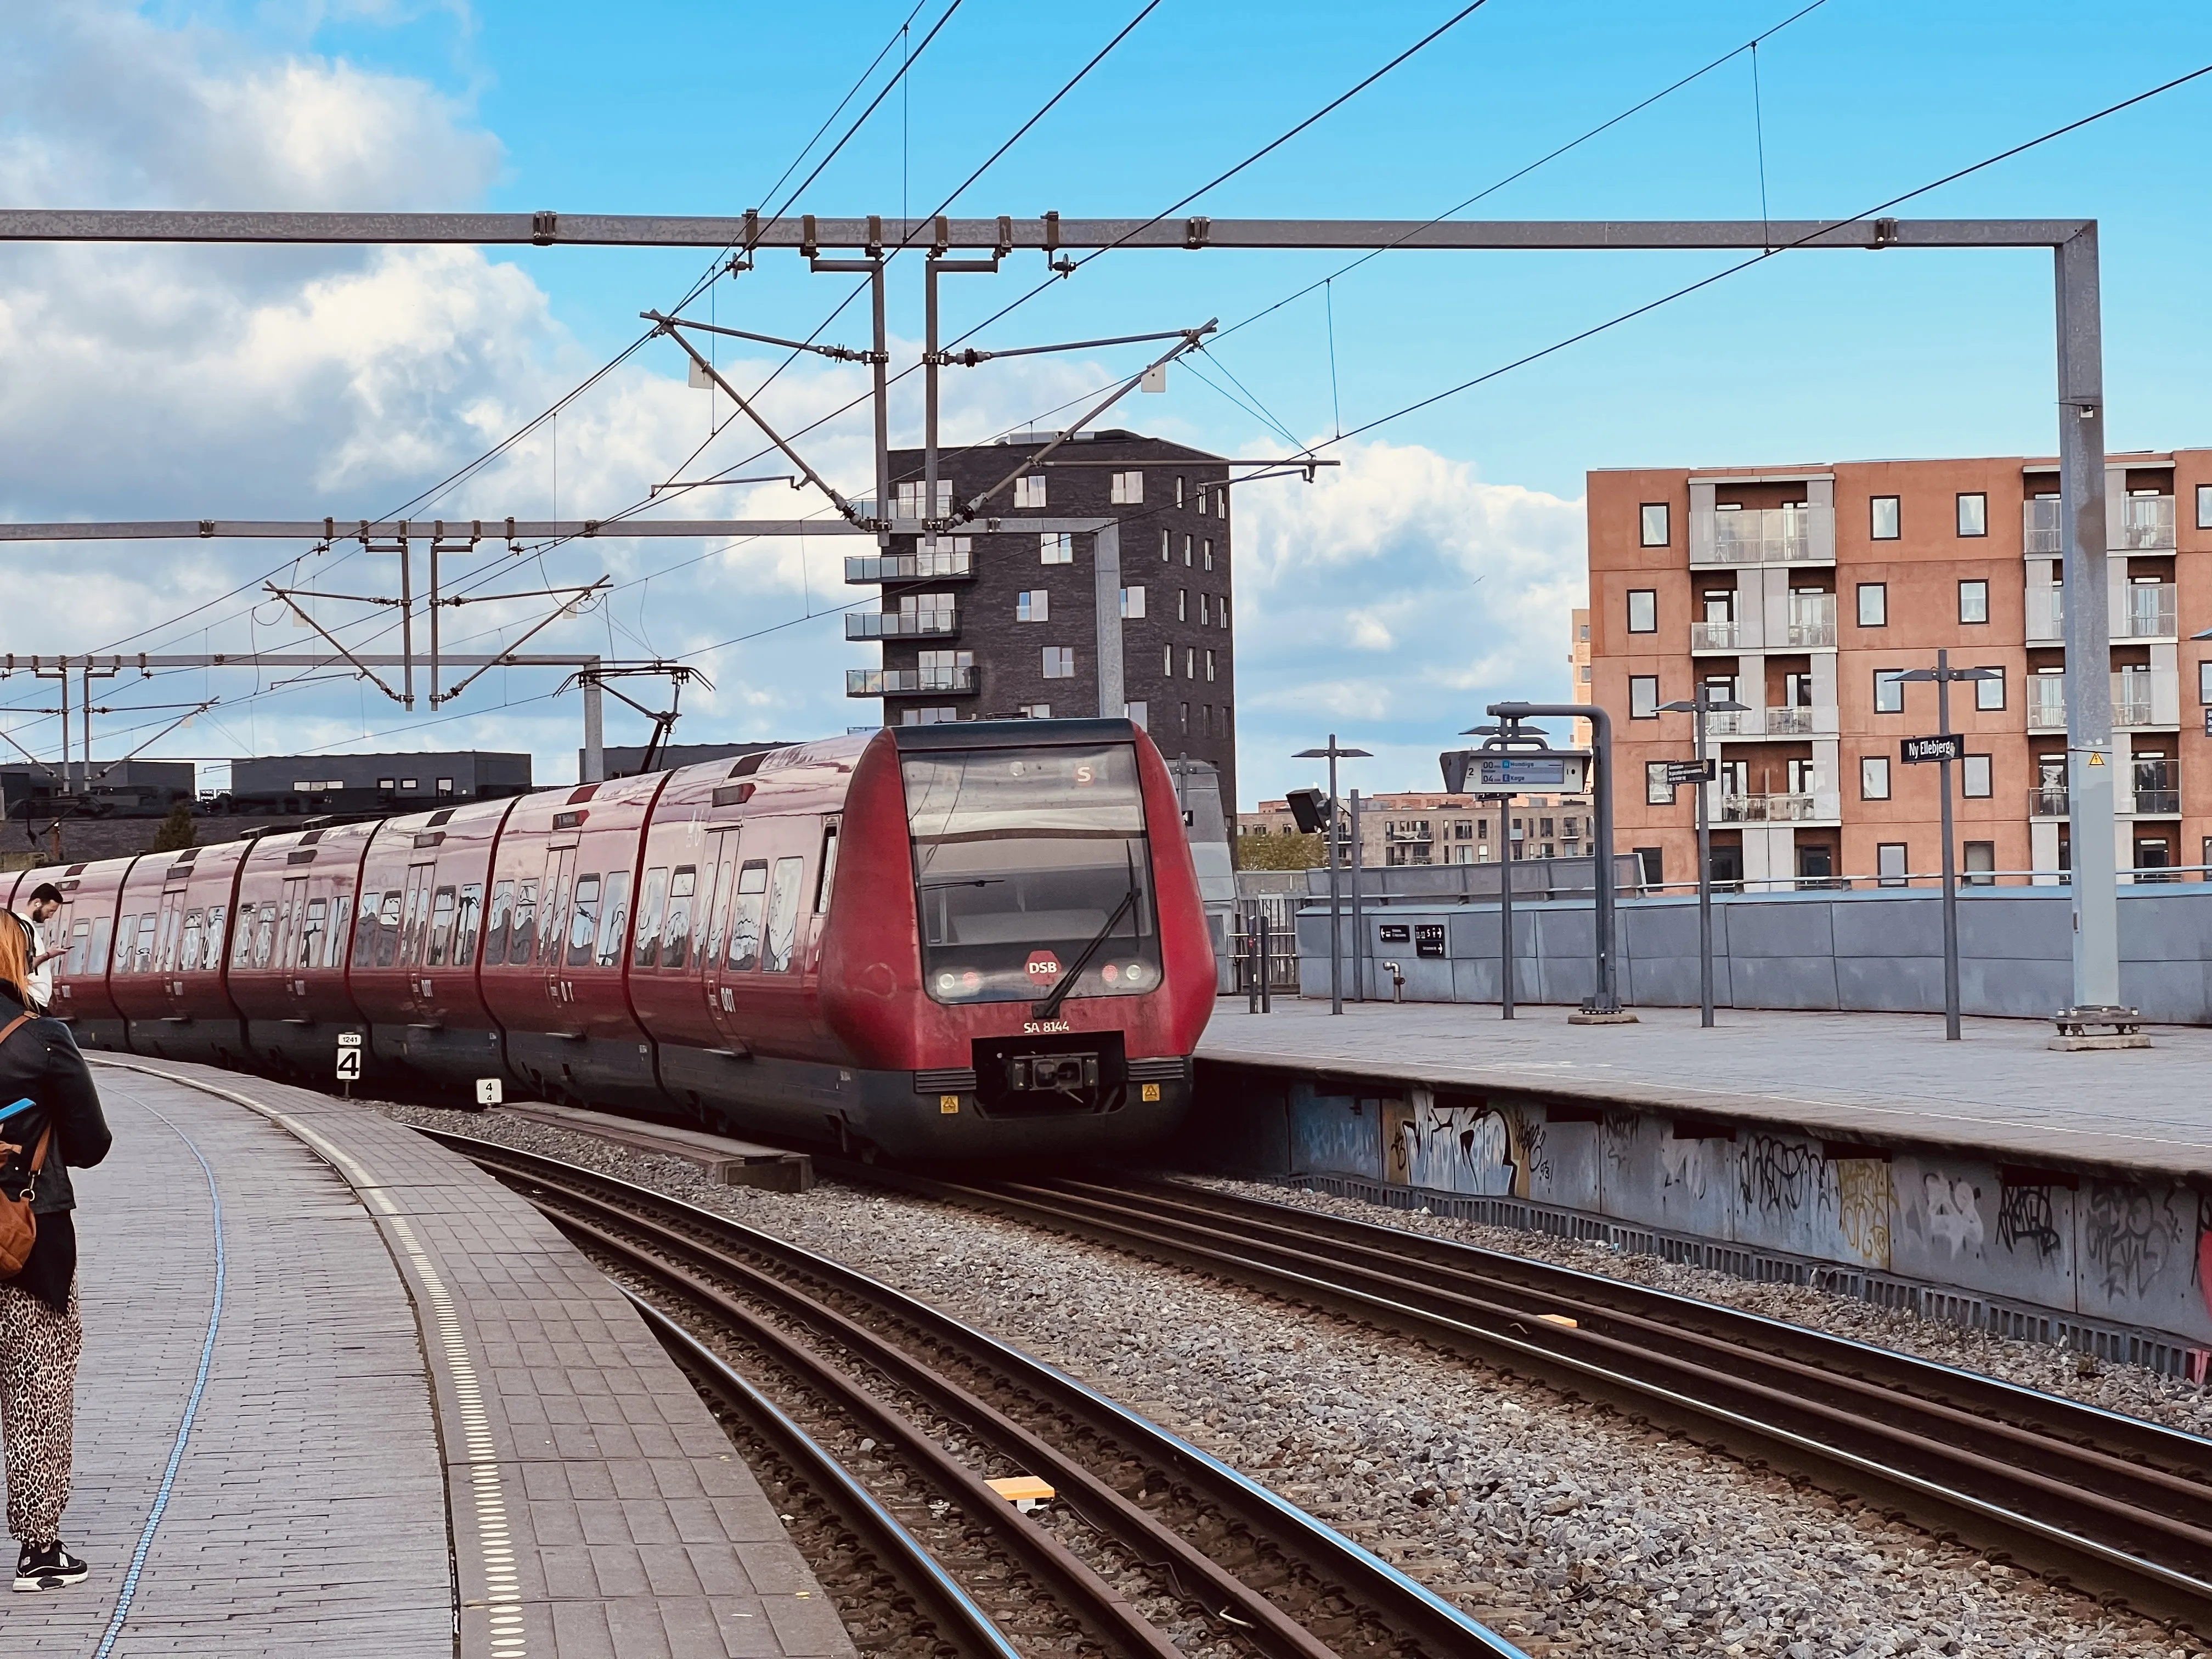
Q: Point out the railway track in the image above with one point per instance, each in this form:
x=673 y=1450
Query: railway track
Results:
x=2115 y=1507
x=956 y=1405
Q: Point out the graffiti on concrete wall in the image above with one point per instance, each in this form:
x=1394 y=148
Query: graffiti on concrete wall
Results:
x=2128 y=1235
x=1954 y=1212
x=2028 y=1219
x=1863 y=1206
x=1459 y=1146
x=1777 y=1176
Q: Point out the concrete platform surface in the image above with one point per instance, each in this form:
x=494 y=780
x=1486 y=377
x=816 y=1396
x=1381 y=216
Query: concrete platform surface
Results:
x=345 y=1394
x=1891 y=1077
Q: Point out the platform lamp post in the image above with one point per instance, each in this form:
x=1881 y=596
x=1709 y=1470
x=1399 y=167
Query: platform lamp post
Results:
x=1942 y=751
x=1334 y=754
x=1506 y=736
x=1698 y=707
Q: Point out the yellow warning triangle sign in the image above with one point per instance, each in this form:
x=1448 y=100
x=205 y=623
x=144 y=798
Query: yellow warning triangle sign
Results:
x=2096 y=758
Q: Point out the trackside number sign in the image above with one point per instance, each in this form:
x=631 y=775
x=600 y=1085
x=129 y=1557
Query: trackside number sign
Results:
x=349 y=1070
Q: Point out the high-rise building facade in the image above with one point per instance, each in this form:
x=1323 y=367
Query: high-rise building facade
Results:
x=1004 y=623
x=1802 y=593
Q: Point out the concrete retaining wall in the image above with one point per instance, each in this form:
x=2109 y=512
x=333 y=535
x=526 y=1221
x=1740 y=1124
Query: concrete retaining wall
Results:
x=1870 y=951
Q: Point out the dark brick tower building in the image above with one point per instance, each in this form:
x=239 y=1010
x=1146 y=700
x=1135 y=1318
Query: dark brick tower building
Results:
x=1006 y=621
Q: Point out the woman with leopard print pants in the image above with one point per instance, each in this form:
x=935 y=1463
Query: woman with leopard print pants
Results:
x=40 y=1336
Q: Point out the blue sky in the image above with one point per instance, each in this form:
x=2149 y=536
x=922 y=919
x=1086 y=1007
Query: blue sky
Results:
x=1389 y=602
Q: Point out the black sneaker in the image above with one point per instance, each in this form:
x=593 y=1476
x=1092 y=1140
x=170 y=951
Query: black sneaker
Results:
x=51 y=1568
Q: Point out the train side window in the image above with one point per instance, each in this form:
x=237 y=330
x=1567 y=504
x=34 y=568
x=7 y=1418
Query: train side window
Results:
x=829 y=878
x=614 y=927
x=142 y=957
x=195 y=935
x=647 y=954
x=746 y=931
x=442 y=925
x=584 y=922
x=80 y=932
x=502 y=902
x=364 y=935
x=524 y=937
x=265 y=933
x=710 y=948
x=782 y=954
x=165 y=949
x=241 y=948
x=387 y=930
x=123 y=935
x=96 y=952
x=464 y=925
x=333 y=946
x=549 y=927
x=313 y=933
x=682 y=887
x=211 y=952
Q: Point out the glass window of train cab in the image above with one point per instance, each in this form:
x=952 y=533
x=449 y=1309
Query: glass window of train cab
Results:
x=503 y=902
x=676 y=930
x=752 y=899
x=655 y=895
x=782 y=954
x=442 y=905
x=465 y=924
x=614 y=911
x=1023 y=859
x=387 y=930
x=584 y=922
x=828 y=878
x=522 y=938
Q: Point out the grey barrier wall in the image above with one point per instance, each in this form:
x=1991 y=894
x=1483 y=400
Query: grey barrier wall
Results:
x=2108 y=1254
x=1874 y=950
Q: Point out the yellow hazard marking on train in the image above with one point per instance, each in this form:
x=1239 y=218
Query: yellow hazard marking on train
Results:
x=948 y=1105
x=1152 y=1091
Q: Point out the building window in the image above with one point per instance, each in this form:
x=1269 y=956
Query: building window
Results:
x=409 y=786
x=1888 y=691
x=1208 y=551
x=1890 y=867
x=1586 y=674
x=1056 y=548
x=1167 y=547
x=1190 y=662
x=1974 y=513
x=1182 y=604
x=1034 y=606
x=1225 y=613
x=1186 y=719
x=1060 y=662
x=2205 y=506
x=1873 y=777
x=1873 y=605
x=1657 y=791
x=1179 y=490
x=1643 y=611
x=1186 y=552
x=1973 y=602
x=2204 y=684
x=1036 y=711
x=1884 y=521
x=1989 y=693
x=1974 y=774
x=1653 y=517
x=387 y=784
x=1209 y=667
x=1132 y=601
x=1644 y=697
x=444 y=785
x=1029 y=489
x=1168 y=668
x=1138 y=712
x=1981 y=863
x=1127 y=489
x=1204 y=615
x=1652 y=860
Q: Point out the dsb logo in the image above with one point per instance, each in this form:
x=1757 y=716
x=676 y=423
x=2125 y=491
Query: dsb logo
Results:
x=1043 y=965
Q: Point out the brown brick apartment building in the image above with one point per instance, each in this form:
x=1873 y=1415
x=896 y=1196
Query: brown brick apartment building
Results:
x=1800 y=590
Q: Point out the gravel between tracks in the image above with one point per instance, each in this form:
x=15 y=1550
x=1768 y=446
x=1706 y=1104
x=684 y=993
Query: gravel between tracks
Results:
x=1563 y=1527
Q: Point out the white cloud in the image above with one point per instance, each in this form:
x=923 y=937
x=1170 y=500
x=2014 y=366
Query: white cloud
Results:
x=1392 y=598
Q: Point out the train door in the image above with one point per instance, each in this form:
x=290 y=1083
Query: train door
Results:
x=553 y=922
x=299 y=936
x=713 y=950
x=169 y=939
x=414 y=921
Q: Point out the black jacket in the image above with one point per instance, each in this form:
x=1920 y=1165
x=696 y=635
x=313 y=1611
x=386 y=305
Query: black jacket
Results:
x=41 y=1059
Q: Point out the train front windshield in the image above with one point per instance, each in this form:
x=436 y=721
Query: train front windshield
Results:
x=1031 y=864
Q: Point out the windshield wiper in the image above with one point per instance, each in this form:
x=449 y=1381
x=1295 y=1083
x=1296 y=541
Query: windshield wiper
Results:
x=1050 y=1008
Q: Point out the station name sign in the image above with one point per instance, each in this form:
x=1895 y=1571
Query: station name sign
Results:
x=1689 y=771
x=1950 y=748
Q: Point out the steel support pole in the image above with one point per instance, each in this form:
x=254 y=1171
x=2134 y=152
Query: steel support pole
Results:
x=880 y=369
x=84 y=749
x=1704 y=866
x=2091 y=835
x=1335 y=917
x=69 y=779
x=595 y=731
x=1358 y=934
x=1606 y=998
x=407 y=624
x=1950 y=856
x=1505 y=907
x=433 y=621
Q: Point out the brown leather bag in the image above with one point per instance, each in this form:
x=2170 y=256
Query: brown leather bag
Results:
x=19 y=1228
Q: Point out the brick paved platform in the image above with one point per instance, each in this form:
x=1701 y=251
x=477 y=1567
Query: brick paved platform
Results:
x=1999 y=1093
x=426 y=1424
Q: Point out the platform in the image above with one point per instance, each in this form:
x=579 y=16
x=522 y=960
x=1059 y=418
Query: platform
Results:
x=382 y=1408
x=1998 y=1092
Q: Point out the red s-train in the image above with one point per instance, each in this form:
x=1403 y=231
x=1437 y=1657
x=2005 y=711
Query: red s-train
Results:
x=960 y=940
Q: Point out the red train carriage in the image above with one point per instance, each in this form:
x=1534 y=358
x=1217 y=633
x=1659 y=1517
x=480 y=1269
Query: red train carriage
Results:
x=979 y=939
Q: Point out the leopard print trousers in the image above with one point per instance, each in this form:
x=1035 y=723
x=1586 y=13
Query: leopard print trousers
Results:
x=39 y=1351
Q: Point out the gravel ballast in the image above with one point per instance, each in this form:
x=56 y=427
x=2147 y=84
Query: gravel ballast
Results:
x=1563 y=1526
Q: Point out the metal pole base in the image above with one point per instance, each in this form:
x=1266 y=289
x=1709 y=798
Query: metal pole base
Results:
x=1587 y=1015
x=2085 y=1029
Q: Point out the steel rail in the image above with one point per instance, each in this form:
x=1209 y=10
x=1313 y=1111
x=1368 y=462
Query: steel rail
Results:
x=2097 y=1543
x=958 y=1617
x=1364 y=1578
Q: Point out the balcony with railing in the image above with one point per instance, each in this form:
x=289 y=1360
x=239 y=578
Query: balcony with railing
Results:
x=2042 y=530
x=2133 y=704
x=2046 y=612
x=1767 y=535
x=2148 y=612
x=1789 y=722
x=2046 y=702
x=2146 y=523
x=1736 y=723
x=902 y=624
x=1812 y=620
x=1716 y=635
x=901 y=682
x=2152 y=803
x=942 y=564
x=1767 y=809
x=2047 y=801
